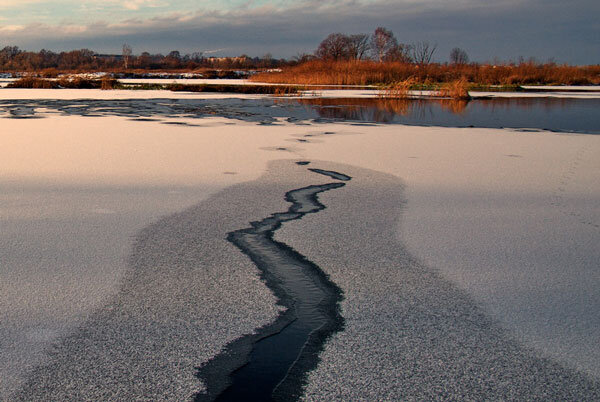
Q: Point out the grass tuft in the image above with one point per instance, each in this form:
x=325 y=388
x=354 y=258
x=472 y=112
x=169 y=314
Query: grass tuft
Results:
x=33 y=83
x=458 y=89
x=108 y=83
x=399 y=90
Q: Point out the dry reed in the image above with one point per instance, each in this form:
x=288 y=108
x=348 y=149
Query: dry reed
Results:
x=366 y=72
x=399 y=90
x=108 y=83
x=458 y=89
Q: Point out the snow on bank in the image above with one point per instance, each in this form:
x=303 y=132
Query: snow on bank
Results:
x=370 y=92
x=595 y=88
x=565 y=95
x=67 y=94
x=187 y=81
x=365 y=93
x=5 y=81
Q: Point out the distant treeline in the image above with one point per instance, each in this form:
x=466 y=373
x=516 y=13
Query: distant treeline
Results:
x=356 y=59
x=13 y=59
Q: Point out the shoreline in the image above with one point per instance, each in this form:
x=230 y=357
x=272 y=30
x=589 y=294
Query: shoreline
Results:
x=562 y=115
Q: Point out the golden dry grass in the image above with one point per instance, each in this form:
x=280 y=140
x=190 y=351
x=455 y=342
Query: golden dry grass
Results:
x=399 y=90
x=458 y=89
x=108 y=83
x=33 y=82
x=319 y=72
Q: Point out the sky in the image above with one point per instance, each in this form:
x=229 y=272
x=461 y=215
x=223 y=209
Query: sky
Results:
x=564 y=31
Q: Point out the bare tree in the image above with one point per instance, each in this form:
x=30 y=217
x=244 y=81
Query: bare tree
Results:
x=400 y=52
x=382 y=41
x=358 y=46
x=175 y=55
x=302 y=57
x=334 y=46
x=144 y=60
x=422 y=52
x=173 y=59
x=127 y=51
x=458 y=56
x=196 y=57
x=267 y=60
x=10 y=52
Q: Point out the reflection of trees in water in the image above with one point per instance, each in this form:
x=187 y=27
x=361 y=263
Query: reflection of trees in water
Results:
x=382 y=110
x=454 y=106
x=529 y=104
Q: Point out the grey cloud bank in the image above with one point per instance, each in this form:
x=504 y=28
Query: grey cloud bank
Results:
x=507 y=29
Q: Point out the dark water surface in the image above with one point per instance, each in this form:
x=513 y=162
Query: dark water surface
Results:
x=313 y=311
x=553 y=114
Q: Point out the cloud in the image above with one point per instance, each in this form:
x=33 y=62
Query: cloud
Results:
x=137 y=4
x=505 y=29
x=7 y=4
x=12 y=28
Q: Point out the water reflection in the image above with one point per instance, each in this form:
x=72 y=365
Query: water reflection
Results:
x=380 y=110
x=554 y=114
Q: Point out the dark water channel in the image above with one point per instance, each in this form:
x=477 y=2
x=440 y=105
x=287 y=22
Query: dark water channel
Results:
x=272 y=364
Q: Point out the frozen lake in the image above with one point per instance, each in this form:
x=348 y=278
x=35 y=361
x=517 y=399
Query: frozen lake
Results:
x=465 y=255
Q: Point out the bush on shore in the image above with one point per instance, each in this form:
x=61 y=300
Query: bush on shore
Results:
x=42 y=83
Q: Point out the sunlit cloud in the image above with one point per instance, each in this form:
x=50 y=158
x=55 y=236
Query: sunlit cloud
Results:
x=7 y=4
x=12 y=28
x=137 y=4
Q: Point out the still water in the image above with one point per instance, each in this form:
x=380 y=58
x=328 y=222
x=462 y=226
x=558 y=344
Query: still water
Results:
x=553 y=114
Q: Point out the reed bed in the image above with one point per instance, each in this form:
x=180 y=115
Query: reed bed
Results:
x=43 y=83
x=457 y=89
x=399 y=89
x=320 y=72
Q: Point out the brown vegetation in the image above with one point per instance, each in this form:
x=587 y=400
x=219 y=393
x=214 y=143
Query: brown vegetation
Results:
x=43 y=83
x=108 y=83
x=244 y=89
x=399 y=90
x=340 y=59
x=32 y=82
x=458 y=89
x=366 y=72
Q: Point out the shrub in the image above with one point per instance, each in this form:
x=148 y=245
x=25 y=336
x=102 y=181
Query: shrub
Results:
x=49 y=73
x=458 y=89
x=33 y=83
x=245 y=89
x=399 y=90
x=108 y=83
x=78 y=83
